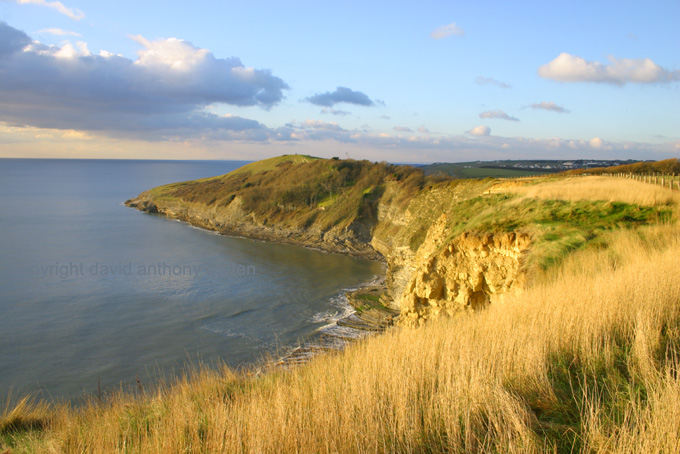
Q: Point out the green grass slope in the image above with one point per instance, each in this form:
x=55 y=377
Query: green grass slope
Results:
x=295 y=191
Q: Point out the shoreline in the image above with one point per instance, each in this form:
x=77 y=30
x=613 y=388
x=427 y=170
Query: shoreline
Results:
x=372 y=310
x=270 y=234
x=370 y=315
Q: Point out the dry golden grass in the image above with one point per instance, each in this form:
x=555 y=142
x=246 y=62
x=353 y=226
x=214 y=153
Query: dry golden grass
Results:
x=612 y=189
x=585 y=360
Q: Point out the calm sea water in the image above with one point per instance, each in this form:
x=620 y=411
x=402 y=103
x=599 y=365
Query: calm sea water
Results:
x=91 y=290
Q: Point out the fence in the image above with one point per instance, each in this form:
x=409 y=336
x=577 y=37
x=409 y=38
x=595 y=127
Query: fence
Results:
x=670 y=181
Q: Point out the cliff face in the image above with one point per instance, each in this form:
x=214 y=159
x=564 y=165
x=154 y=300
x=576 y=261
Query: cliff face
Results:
x=428 y=273
x=469 y=272
x=235 y=220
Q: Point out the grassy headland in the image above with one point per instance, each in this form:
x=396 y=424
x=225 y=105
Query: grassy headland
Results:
x=330 y=204
x=584 y=359
x=297 y=191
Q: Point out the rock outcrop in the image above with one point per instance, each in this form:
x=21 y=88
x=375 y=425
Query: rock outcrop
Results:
x=468 y=272
x=236 y=221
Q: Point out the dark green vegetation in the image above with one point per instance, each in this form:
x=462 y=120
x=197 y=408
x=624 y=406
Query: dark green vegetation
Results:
x=479 y=169
x=535 y=167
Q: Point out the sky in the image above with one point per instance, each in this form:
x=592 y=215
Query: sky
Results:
x=397 y=81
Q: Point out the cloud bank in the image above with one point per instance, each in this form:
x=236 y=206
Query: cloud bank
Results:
x=12 y=40
x=619 y=71
x=341 y=95
x=447 y=30
x=167 y=87
x=497 y=114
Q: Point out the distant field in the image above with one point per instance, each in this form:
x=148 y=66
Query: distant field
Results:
x=476 y=170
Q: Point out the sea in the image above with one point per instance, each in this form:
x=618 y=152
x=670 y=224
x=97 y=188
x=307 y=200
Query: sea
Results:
x=96 y=296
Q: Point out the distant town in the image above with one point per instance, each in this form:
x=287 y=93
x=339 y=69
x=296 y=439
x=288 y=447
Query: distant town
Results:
x=516 y=168
x=553 y=166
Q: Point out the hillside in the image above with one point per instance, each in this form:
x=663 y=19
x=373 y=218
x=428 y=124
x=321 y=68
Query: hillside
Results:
x=325 y=203
x=536 y=315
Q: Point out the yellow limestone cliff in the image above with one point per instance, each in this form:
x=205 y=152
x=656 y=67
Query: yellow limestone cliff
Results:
x=468 y=272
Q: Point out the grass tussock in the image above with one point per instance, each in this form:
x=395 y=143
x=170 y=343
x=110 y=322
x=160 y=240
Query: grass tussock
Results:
x=586 y=360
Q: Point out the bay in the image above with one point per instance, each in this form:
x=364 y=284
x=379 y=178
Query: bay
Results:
x=94 y=292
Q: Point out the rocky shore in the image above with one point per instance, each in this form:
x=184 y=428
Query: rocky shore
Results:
x=345 y=242
x=374 y=310
x=373 y=314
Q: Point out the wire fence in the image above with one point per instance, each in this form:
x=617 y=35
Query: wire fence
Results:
x=670 y=181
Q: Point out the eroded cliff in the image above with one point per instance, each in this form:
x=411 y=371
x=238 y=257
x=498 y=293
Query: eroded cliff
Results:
x=470 y=271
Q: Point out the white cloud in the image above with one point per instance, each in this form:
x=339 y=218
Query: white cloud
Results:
x=447 y=30
x=402 y=129
x=423 y=130
x=73 y=13
x=619 y=71
x=548 y=106
x=165 y=91
x=480 y=131
x=497 y=114
x=490 y=81
x=596 y=142
x=58 y=32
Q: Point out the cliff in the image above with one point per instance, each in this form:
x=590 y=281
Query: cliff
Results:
x=469 y=272
x=449 y=245
x=322 y=203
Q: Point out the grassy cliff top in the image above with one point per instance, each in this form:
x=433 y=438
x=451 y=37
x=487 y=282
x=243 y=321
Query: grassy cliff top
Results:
x=296 y=190
x=266 y=165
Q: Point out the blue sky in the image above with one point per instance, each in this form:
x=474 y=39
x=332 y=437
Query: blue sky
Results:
x=378 y=80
